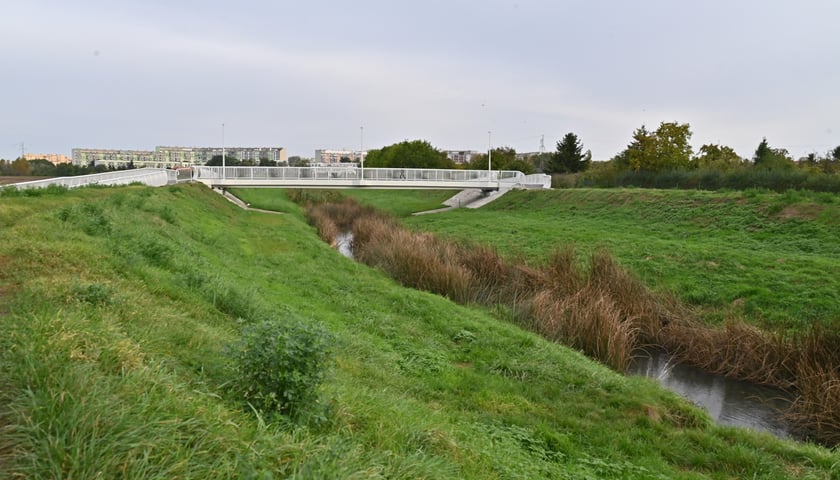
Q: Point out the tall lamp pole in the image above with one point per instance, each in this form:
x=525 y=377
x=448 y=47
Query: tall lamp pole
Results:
x=223 y=152
x=362 y=149
x=489 y=153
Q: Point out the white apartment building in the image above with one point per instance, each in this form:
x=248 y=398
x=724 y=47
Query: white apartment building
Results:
x=325 y=157
x=460 y=157
x=54 y=158
x=166 y=157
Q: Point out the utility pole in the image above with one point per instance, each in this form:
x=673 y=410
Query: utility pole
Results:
x=542 y=153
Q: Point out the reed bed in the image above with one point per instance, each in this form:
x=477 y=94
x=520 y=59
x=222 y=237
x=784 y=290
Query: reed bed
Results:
x=602 y=311
x=736 y=350
x=598 y=308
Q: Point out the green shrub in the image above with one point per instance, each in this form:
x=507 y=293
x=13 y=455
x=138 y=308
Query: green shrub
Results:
x=279 y=365
x=89 y=217
x=94 y=293
x=739 y=179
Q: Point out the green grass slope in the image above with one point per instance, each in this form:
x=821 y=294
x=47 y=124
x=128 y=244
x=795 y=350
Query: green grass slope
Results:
x=397 y=202
x=771 y=258
x=116 y=305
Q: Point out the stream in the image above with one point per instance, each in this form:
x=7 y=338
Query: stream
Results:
x=729 y=402
x=344 y=244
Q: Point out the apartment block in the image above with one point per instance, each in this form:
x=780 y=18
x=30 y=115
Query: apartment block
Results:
x=54 y=158
x=460 y=156
x=324 y=156
x=166 y=157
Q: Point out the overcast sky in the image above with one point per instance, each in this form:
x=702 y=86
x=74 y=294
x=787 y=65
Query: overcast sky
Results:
x=134 y=74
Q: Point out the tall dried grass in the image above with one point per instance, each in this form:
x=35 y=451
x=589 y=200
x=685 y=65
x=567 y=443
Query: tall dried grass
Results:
x=816 y=409
x=598 y=308
x=600 y=311
x=736 y=350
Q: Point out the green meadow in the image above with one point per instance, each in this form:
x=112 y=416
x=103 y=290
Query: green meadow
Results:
x=772 y=259
x=118 y=307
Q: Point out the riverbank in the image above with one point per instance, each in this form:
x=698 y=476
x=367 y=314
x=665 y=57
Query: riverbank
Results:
x=117 y=304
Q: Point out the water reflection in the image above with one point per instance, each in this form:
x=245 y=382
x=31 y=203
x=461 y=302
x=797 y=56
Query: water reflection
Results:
x=729 y=402
x=344 y=243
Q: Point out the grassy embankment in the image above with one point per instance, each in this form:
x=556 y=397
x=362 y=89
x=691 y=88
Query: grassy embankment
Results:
x=599 y=309
x=116 y=305
x=769 y=258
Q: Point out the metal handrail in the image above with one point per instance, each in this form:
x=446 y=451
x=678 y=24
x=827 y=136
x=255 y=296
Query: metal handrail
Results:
x=149 y=176
x=351 y=173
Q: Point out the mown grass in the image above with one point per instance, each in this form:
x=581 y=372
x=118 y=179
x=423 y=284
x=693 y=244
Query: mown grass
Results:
x=397 y=202
x=762 y=256
x=116 y=305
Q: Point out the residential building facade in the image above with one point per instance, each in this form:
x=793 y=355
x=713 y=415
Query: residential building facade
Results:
x=54 y=158
x=460 y=157
x=326 y=157
x=167 y=157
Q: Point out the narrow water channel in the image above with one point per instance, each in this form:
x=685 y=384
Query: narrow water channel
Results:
x=729 y=402
x=344 y=244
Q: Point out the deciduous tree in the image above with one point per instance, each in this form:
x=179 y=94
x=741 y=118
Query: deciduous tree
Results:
x=502 y=158
x=665 y=149
x=717 y=157
x=21 y=167
x=767 y=158
x=216 y=161
x=408 y=154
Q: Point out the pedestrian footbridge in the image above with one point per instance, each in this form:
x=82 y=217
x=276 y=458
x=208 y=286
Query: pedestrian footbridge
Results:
x=353 y=177
x=306 y=177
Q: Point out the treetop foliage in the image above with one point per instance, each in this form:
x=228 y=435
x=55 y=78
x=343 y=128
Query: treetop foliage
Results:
x=569 y=156
x=501 y=158
x=717 y=157
x=771 y=158
x=408 y=154
x=665 y=149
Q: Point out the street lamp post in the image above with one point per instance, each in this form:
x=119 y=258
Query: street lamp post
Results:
x=224 y=175
x=489 y=154
x=362 y=149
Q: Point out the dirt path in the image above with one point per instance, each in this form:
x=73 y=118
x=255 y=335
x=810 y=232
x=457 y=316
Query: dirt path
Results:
x=10 y=180
x=242 y=204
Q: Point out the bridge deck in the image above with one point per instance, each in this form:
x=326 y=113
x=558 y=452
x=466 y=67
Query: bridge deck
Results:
x=352 y=177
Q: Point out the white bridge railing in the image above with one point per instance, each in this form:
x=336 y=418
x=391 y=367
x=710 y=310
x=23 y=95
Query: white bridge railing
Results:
x=155 y=177
x=315 y=177
x=343 y=176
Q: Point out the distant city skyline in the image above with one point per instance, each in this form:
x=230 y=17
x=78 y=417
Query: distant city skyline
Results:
x=309 y=75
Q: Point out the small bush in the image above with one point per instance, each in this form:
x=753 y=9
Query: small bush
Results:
x=90 y=218
x=279 y=365
x=167 y=214
x=94 y=294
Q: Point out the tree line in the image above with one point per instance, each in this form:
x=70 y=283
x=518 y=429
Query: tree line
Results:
x=664 y=158
x=421 y=154
x=22 y=167
x=668 y=148
x=661 y=158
